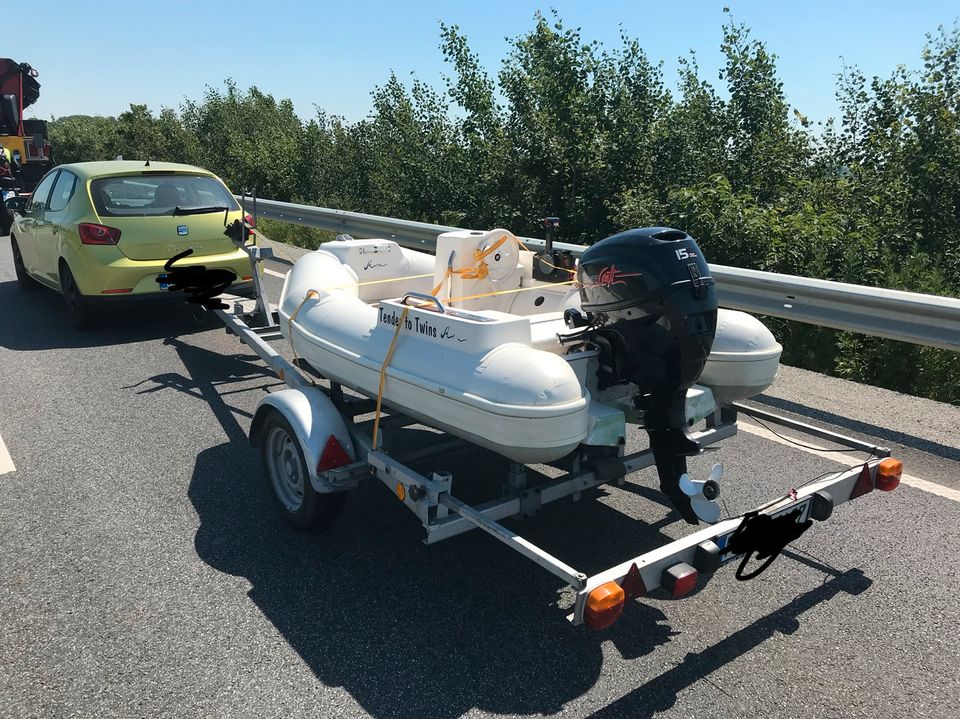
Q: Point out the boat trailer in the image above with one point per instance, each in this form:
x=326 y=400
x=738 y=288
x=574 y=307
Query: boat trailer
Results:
x=314 y=413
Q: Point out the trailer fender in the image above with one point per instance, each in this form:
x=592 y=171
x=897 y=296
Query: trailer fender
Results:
x=313 y=418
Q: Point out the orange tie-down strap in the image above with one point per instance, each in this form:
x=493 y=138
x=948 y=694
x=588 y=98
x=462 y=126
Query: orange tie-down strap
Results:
x=383 y=372
x=480 y=270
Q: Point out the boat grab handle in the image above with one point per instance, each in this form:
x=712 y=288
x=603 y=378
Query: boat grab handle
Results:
x=423 y=296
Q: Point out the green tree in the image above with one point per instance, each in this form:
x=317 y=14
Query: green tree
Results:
x=248 y=138
x=80 y=138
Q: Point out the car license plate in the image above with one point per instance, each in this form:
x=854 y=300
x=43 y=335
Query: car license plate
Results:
x=801 y=507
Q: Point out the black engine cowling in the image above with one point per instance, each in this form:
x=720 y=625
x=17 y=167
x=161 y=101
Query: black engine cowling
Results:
x=650 y=296
x=651 y=307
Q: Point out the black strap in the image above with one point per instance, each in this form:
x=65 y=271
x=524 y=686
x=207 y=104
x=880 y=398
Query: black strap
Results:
x=765 y=535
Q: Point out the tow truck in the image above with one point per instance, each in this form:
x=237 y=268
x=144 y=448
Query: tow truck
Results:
x=27 y=140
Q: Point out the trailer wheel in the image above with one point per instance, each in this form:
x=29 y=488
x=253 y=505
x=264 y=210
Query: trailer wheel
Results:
x=289 y=478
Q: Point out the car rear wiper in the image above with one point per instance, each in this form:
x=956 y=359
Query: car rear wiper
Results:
x=198 y=210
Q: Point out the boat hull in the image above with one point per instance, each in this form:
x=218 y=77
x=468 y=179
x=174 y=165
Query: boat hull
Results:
x=471 y=374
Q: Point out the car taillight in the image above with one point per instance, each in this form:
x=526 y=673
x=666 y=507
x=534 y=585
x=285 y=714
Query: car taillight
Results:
x=249 y=220
x=91 y=234
x=46 y=151
x=333 y=455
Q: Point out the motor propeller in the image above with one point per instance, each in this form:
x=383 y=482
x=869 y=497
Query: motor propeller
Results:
x=703 y=494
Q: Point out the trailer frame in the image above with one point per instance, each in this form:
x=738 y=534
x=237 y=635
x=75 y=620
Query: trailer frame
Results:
x=443 y=515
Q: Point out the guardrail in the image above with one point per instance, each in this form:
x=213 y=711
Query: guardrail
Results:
x=906 y=316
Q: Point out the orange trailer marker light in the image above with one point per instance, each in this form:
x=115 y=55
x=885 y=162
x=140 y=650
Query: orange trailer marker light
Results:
x=604 y=606
x=888 y=474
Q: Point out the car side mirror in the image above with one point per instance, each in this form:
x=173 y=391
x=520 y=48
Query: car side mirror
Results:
x=16 y=204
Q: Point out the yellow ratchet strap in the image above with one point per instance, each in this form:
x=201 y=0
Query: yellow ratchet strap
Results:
x=477 y=271
x=383 y=372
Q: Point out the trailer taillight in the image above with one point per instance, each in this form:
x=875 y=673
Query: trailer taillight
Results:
x=92 y=234
x=333 y=455
x=679 y=579
x=604 y=606
x=888 y=474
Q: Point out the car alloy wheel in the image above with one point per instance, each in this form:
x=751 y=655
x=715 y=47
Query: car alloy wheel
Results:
x=77 y=308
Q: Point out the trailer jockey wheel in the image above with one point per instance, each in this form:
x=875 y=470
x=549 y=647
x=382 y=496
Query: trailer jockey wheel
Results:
x=289 y=478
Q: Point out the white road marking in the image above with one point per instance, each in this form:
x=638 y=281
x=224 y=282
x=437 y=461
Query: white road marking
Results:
x=274 y=273
x=6 y=464
x=849 y=461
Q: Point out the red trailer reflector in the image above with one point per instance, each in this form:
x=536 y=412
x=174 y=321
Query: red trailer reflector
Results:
x=604 y=606
x=864 y=483
x=632 y=584
x=334 y=455
x=679 y=579
x=888 y=474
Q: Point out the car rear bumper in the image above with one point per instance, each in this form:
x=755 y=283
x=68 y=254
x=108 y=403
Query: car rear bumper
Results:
x=243 y=289
x=103 y=272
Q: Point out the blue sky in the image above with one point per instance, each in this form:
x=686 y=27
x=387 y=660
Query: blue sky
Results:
x=98 y=57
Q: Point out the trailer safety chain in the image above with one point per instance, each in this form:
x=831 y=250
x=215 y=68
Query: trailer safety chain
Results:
x=383 y=372
x=765 y=535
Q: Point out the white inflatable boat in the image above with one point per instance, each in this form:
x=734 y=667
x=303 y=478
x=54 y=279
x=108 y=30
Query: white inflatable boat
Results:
x=468 y=342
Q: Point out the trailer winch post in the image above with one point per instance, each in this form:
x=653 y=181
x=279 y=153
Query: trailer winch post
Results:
x=256 y=254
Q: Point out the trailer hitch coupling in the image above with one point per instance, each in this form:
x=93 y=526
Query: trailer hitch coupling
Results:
x=765 y=535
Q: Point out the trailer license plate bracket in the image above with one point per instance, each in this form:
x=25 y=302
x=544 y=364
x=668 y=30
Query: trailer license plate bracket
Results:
x=765 y=534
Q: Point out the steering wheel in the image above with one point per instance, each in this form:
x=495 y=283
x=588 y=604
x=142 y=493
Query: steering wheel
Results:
x=501 y=260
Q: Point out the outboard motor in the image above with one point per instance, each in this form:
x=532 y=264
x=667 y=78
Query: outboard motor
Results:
x=651 y=308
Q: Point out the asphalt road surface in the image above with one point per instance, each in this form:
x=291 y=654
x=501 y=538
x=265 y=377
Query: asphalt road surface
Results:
x=145 y=573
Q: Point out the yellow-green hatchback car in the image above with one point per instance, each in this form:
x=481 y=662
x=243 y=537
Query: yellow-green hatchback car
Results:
x=100 y=232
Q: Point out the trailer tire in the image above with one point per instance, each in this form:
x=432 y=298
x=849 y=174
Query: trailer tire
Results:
x=288 y=478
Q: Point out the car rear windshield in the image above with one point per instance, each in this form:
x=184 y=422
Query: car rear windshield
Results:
x=159 y=195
